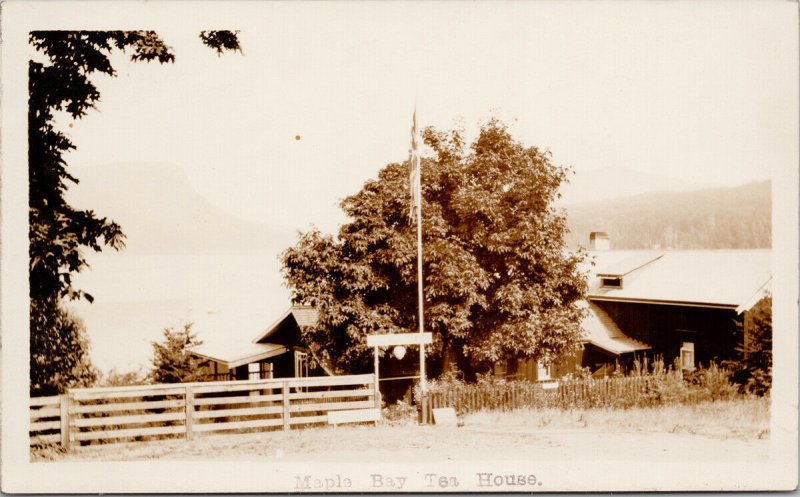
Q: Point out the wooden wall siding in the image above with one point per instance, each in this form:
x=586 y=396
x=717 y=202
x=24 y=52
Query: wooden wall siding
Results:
x=129 y=414
x=216 y=371
x=594 y=358
x=283 y=365
x=287 y=334
x=713 y=331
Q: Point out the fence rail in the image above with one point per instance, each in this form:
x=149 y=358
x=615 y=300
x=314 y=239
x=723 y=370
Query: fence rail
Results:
x=172 y=411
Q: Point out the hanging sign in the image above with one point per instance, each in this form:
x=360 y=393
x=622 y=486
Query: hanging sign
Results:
x=389 y=339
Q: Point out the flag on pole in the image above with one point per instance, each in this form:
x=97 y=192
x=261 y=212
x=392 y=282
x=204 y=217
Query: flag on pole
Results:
x=414 y=176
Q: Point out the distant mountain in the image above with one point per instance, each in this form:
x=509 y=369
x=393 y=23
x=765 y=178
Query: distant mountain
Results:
x=737 y=217
x=615 y=182
x=160 y=212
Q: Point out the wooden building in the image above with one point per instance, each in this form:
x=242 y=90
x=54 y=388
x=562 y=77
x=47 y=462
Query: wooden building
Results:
x=688 y=306
x=276 y=352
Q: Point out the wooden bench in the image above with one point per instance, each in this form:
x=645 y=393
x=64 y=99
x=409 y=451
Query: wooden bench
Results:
x=354 y=416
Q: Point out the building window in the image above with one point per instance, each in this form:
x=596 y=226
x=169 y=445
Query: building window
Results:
x=611 y=282
x=543 y=371
x=253 y=371
x=687 y=356
x=300 y=364
x=259 y=371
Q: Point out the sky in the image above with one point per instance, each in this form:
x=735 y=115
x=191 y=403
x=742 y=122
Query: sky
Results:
x=322 y=98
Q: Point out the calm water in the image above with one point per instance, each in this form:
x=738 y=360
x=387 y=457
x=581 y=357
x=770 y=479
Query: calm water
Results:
x=233 y=295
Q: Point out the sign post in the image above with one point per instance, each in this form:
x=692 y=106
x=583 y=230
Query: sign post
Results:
x=377 y=389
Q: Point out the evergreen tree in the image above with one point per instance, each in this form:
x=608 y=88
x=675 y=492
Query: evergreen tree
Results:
x=172 y=362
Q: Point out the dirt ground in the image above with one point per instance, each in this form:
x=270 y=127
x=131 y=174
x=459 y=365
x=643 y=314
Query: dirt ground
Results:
x=734 y=431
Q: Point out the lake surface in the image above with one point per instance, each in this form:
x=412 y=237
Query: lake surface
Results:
x=231 y=295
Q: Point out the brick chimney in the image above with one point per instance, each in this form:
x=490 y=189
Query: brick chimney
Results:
x=599 y=240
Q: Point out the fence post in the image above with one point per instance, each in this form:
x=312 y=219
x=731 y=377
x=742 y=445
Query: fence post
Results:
x=286 y=413
x=189 y=409
x=65 y=421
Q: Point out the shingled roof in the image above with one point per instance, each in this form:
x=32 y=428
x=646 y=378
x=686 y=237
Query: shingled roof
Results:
x=729 y=279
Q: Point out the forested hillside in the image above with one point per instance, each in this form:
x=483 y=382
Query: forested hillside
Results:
x=738 y=217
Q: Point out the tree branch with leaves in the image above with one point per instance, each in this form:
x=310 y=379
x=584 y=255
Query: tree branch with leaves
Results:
x=60 y=81
x=498 y=282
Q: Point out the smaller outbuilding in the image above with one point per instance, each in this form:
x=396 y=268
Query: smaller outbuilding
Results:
x=276 y=352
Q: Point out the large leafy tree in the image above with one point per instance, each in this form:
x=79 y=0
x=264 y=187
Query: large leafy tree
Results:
x=498 y=281
x=59 y=81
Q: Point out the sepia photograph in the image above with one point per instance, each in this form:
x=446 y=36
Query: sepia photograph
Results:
x=399 y=246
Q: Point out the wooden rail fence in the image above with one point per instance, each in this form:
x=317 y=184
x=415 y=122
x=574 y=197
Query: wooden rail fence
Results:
x=181 y=410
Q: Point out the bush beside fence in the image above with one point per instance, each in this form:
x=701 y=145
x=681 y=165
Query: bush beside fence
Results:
x=642 y=389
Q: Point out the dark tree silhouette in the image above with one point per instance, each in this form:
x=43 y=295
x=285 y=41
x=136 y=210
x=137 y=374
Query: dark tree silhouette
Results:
x=59 y=233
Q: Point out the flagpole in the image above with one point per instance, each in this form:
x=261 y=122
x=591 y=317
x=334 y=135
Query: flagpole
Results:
x=415 y=185
x=423 y=380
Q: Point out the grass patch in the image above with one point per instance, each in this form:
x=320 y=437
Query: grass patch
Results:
x=745 y=418
x=724 y=430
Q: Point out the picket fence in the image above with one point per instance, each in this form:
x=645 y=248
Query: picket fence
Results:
x=588 y=392
x=118 y=414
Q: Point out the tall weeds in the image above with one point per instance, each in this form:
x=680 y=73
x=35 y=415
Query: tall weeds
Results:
x=648 y=384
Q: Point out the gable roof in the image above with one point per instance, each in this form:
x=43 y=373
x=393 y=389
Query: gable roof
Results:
x=234 y=354
x=233 y=350
x=303 y=316
x=728 y=279
x=629 y=264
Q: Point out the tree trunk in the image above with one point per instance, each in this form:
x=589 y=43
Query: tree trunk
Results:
x=449 y=358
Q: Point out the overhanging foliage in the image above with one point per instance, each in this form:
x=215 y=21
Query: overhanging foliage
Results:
x=498 y=280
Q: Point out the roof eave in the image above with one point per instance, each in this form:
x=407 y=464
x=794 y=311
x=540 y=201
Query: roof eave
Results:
x=682 y=303
x=257 y=357
x=230 y=364
x=639 y=347
x=755 y=298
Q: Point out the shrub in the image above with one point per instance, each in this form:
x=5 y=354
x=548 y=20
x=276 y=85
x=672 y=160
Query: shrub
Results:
x=752 y=369
x=712 y=383
x=114 y=378
x=400 y=413
x=649 y=384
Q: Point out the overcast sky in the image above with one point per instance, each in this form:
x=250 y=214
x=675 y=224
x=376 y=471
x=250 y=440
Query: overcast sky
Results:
x=700 y=92
x=696 y=92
